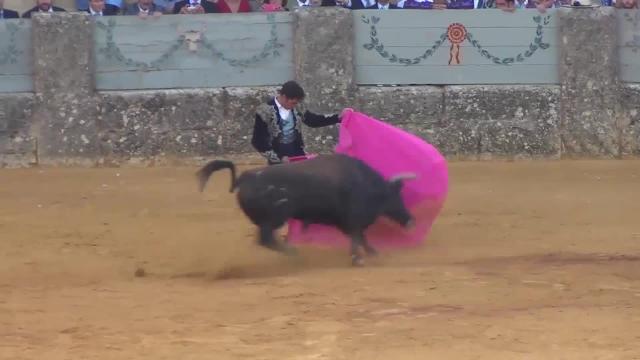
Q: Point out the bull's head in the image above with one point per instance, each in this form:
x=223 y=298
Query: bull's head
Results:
x=394 y=206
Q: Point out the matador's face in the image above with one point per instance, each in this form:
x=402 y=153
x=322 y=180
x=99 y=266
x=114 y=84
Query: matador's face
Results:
x=44 y=5
x=287 y=103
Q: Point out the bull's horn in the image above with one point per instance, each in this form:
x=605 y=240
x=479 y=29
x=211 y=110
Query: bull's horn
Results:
x=403 y=176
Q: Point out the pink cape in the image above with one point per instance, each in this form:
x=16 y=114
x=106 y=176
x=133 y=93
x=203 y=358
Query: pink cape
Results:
x=390 y=151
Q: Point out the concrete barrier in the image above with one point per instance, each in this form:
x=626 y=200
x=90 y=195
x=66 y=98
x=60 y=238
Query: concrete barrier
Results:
x=591 y=114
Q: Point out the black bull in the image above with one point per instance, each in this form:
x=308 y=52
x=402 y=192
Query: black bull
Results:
x=335 y=190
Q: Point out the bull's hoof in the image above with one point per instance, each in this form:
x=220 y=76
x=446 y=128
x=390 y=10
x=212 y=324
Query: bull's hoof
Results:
x=357 y=260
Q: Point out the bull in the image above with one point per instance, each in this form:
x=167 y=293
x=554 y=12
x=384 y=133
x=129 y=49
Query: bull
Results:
x=335 y=190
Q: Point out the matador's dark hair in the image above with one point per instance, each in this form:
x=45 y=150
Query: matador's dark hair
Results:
x=292 y=90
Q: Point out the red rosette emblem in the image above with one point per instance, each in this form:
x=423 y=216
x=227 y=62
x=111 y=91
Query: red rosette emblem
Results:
x=456 y=33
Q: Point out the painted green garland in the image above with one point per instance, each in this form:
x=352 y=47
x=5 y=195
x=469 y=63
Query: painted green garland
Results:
x=635 y=43
x=11 y=53
x=111 y=50
x=536 y=44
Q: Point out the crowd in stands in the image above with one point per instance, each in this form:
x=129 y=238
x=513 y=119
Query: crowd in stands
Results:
x=158 y=7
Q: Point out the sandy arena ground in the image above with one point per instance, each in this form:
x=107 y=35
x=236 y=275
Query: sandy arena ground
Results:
x=530 y=260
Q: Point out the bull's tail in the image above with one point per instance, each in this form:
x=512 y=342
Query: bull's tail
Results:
x=205 y=172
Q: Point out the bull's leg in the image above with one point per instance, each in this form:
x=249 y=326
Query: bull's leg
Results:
x=371 y=251
x=268 y=240
x=356 y=242
x=360 y=240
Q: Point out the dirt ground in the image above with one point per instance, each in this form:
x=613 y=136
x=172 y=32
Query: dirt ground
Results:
x=529 y=260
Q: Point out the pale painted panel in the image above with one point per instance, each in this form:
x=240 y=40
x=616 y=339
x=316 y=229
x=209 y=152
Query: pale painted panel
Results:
x=16 y=68
x=228 y=50
x=471 y=18
x=630 y=73
x=493 y=47
x=629 y=44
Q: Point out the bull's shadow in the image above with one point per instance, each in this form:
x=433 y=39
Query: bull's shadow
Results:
x=306 y=259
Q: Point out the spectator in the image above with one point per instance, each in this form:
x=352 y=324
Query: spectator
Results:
x=506 y=5
x=350 y=4
x=168 y=5
x=626 y=4
x=439 y=4
x=276 y=133
x=543 y=5
x=119 y=4
x=195 y=7
x=383 y=5
x=486 y=4
x=416 y=4
x=100 y=8
x=312 y=3
x=521 y=4
x=233 y=6
x=111 y=5
x=42 y=6
x=274 y=5
x=144 y=8
x=461 y=4
x=6 y=13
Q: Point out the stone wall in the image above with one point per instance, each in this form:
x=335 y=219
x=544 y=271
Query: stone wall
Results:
x=589 y=114
x=628 y=122
x=17 y=144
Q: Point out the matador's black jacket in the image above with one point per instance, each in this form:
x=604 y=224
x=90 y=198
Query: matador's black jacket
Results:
x=267 y=130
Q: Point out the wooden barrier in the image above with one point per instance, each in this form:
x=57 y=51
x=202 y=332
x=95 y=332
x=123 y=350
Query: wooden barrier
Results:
x=629 y=44
x=16 y=70
x=191 y=51
x=455 y=47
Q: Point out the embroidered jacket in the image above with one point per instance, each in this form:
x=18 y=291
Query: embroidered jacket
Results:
x=267 y=130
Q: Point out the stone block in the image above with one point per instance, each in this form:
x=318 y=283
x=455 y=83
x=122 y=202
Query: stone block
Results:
x=239 y=116
x=66 y=125
x=323 y=57
x=131 y=124
x=15 y=112
x=199 y=122
x=400 y=105
x=320 y=140
x=629 y=120
x=503 y=121
x=589 y=78
x=63 y=52
x=17 y=146
x=323 y=60
x=65 y=112
x=151 y=123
